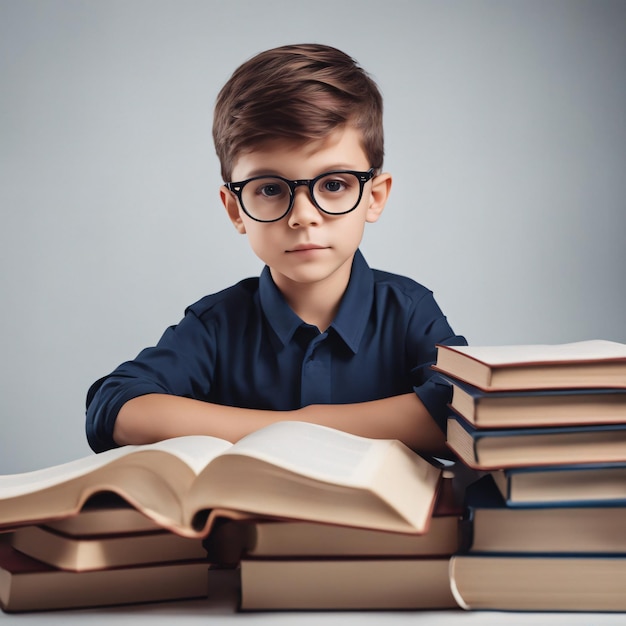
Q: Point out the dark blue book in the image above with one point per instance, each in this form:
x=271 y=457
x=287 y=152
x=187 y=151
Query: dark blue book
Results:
x=542 y=407
x=521 y=447
x=490 y=526
x=587 y=484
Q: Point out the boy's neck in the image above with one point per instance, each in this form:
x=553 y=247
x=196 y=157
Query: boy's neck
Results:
x=315 y=303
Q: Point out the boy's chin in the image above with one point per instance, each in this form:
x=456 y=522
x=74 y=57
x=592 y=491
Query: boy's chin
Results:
x=313 y=272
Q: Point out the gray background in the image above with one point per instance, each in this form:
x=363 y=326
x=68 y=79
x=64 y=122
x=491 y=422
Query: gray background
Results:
x=505 y=133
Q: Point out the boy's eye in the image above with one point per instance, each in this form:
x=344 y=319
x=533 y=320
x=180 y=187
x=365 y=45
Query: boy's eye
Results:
x=332 y=185
x=271 y=189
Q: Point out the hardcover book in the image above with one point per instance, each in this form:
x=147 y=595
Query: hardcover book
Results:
x=539 y=582
x=581 y=484
x=344 y=584
x=519 y=447
x=492 y=527
x=81 y=554
x=544 y=407
x=583 y=364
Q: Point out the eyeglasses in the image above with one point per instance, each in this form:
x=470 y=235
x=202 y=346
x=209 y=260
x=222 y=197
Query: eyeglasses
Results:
x=270 y=198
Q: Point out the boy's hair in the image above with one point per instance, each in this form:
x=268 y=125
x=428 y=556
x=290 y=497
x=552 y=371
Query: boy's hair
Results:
x=296 y=93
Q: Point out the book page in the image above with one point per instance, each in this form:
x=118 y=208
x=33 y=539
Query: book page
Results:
x=17 y=484
x=195 y=451
x=317 y=451
x=582 y=351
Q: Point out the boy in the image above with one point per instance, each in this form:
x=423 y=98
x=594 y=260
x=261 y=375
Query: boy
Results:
x=319 y=337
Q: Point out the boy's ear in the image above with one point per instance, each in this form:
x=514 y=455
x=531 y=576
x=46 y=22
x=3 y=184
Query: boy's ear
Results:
x=229 y=200
x=381 y=186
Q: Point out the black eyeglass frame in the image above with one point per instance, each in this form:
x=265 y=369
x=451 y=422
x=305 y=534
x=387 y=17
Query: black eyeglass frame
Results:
x=362 y=177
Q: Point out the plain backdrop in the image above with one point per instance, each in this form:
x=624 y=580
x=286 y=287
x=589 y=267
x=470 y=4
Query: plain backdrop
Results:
x=505 y=134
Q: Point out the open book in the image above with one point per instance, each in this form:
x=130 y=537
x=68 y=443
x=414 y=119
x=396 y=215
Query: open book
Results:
x=290 y=470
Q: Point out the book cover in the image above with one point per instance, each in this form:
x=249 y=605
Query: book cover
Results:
x=583 y=364
x=290 y=470
x=489 y=449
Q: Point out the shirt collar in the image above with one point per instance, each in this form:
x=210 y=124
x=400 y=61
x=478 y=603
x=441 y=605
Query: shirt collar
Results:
x=351 y=319
x=278 y=313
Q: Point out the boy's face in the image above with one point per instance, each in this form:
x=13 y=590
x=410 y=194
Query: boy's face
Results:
x=308 y=246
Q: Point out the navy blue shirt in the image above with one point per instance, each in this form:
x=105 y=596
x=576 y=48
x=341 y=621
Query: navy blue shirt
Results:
x=246 y=347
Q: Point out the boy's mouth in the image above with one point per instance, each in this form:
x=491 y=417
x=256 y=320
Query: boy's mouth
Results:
x=303 y=247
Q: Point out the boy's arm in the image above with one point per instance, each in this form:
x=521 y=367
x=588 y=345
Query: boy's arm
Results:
x=402 y=417
x=153 y=417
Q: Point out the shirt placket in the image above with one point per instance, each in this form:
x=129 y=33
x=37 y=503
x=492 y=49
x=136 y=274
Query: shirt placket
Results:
x=316 y=371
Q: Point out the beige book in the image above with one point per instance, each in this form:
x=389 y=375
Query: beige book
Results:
x=290 y=470
x=29 y=585
x=539 y=583
x=343 y=584
x=582 y=364
x=310 y=539
x=105 y=551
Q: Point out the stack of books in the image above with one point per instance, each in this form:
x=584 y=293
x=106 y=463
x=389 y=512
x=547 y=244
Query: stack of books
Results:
x=295 y=484
x=310 y=566
x=546 y=425
x=108 y=554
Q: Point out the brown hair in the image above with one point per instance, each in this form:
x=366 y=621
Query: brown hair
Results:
x=296 y=93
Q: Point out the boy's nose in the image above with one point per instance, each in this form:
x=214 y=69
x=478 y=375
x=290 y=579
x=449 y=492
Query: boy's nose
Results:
x=303 y=212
